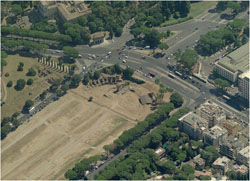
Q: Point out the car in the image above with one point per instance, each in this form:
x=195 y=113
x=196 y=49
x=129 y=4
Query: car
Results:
x=80 y=56
x=126 y=56
x=107 y=56
x=143 y=57
x=118 y=49
x=90 y=58
x=89 y=55
x=83 y=68
x=93 y=56
x=123 y=61
x=109 y=53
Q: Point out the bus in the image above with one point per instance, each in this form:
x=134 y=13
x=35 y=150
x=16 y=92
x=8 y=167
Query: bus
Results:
x=171 y=75
x=226 y=97
x=178 y=73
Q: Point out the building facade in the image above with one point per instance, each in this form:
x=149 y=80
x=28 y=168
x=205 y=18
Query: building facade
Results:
x=215 y=136
x=221 y=165
x=193 y=125
x=230 y=147
x=231 y=126
x=243 y=85
x=243 y=156
x=234 y=64
x=211 y=112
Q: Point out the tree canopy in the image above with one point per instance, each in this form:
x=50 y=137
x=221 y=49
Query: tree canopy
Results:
x=70 y=52
x=189 y=58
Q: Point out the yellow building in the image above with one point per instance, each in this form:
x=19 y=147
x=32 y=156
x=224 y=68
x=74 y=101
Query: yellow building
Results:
x=231 y=126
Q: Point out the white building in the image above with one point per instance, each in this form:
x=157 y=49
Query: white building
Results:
x=244 y=84
x=243 y=156
x=234 y=63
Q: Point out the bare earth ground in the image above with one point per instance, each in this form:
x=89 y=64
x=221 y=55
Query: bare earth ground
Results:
x=70 y=129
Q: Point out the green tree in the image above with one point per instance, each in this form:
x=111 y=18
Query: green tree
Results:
x=75 y=80
x=189 y=58
x=71 y=175
x=9 y=84
x=152 y=38
x=28 y=104
x=205 y=177
x=29 y=81
x=167 y=167
x=222 y=84
x=20 y=84
x=221 y=5
x=128 y=73
x=65 y=87
x=176 y=99
x=70 y=52
x=31 y=72
x=59 y=92
x=97 y=75
x=83 y=21
x=163 y=46
x=16 y=9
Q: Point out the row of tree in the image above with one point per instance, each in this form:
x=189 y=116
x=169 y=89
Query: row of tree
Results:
x=9 y=124
x=78 y=171
x=6 y=30
x=141 y=160
x=45 y=26
x=30 y=45
x=4 y=55
x=234 y=5
x=215 y=40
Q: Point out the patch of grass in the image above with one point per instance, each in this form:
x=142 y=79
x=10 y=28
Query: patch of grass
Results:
x=16 y=99
x=195 y=10
x=200 y=7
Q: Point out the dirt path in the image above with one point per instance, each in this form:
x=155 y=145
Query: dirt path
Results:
x=5 y=91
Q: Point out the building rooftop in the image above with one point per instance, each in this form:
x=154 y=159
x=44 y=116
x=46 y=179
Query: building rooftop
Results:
x=216 y=131
x=198 y=160
x=146 y=99
x=233 y=142
x=238 y=60
x=245 y=75
x=245 y=152
x=194 y=120
x=159 y=151
x=240 y=168
x=221 y=161
x=212 y=109
x=231 y=122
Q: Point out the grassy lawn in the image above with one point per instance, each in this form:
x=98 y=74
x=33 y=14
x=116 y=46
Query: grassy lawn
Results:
x=195 y=10
x=16 y=99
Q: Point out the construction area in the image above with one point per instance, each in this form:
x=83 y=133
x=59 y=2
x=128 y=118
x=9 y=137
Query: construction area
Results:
x=73 y=128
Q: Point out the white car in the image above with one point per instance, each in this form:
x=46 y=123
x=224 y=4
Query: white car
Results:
x=80 y=56
x=126 y=56
x=109 y=53
x=102 y=60
x=93 y=56
x=90 y=58
x=123 y=61
x=83 y=68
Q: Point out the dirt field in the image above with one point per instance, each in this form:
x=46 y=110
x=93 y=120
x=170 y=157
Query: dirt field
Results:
x=70 y=129
x=16 y=99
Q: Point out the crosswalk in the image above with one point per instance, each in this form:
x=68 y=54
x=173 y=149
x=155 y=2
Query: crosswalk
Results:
x=211 y=17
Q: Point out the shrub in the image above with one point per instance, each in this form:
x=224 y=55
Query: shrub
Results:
x=30 y=82
x=9 y=84
x=7 y=74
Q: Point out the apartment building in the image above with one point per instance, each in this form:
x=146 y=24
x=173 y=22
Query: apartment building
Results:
x=231 y=126
x=243 y=156
x=193 y=125
x=243 y=84
x=230 y=147
x=211 y=112
x=234 y=64
x=215 y=135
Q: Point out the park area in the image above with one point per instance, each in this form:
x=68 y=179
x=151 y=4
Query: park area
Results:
x=196 y=9
x=70 y=129
x=13 y=99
